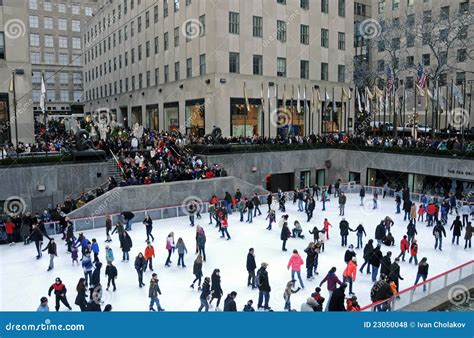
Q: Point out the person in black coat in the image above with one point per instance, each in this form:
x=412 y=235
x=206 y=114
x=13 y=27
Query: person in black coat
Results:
x=128 y=216
x=70 y=238
x=406 y=208
x=381 y=291
x=216 y=289
x=264 y=288
x=456 y=227
x=311 y=204
x=111 y=273
x=344 y=231
x=385 y=264
x=269 y=201
x=126 y=245
x=395 y=273
x=52 y=252
x=369 y=247
x=81 y=298
x=285 y=234
x=337 y=301
x=251 y=266
x=374 y=260
x=349 y=254
x=140 y=265
x=380 y=232
x=360 y=232
x=149 y=228
x=310 y=257
x=229 y=302
x=37 y=237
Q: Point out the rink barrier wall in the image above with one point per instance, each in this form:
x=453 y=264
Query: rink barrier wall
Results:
x=172 y=211
x=410 y=295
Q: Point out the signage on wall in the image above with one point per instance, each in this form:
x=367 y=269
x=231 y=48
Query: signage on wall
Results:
x=461 y=172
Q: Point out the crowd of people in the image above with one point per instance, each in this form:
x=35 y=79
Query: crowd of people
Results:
x=381 y=255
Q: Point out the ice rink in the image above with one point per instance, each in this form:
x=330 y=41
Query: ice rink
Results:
x=24 y=280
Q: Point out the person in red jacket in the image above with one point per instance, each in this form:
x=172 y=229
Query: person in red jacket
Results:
x=414 y=252
x=349 y=274
x=326 y=227
x=404 y=246
x=295 y=264
x=149 y=255
x=60 y=293
x=10 y=230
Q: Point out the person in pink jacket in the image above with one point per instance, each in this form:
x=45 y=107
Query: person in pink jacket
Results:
x=170 y=247
x=349 y=274
x=295 y=263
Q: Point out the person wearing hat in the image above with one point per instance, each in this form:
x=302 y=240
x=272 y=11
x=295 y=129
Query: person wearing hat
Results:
x=349 y=254
x=205 y=294
x=349 y=274
x=264 y=288
x=43 y=307
x=60 y=293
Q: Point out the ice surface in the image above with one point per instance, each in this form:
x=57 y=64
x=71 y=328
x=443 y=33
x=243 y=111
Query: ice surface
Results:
x=24 y=280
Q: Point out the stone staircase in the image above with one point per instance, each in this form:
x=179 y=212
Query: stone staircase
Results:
x=114 y=169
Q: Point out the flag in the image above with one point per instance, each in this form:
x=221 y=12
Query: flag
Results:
x=390 y=80
x=378 y=92
x=359 y=104
x=298 y=104
x=284 y=96
x=317 y=100
x=327 y=98
x=368 y=98
x=421 y=77
x=268 y=98
x=420 y=91
x=369 y=93
x=346 y=94
x=305 y=104
x=263 y=98
x=43 y=94
x=334 y=106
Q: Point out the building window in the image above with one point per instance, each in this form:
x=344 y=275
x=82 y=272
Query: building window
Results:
x=140 y=81
x=341 y=41
x=155 y=14
x=167 y=74
x=147 y=19
x=62 y=41
x=165 y=8
x=156 y=45
x=257 y=65
x=444 y=13
x=460 y=78
x=2 y=46
x=48 y=23
x=341 y=8
x=64 y=59
x=411 y=40
x=341 y=73
x=304 y=4
x=76 y=9
x=76 y=25
x=462 y=55
x=281 y=30
x=202 y=64
x=380 y=65
x=189 y=68
x=76 y=43
x=426 y=59
x=257 y=26
x=49 y=58
x=202 y=25
x=325 y=6
x=147 y=49
x=48 y=6
x=304 y=69
x=304 y=34
x=324 y=38
x=177 y=76
x=33 y=4
x=381 y=7
x=62 y=24
x=165 y=41
x=281 y=67
x=139 y=52
x=34 y=40
x=35 y=57
x=234 y=23
x=176 y=6
x=157 y=76
x=324 y=72
x=176 y=37
x=281 y=2
x=139 y=24
x=234 y=62
x=410 y=61
x=34 y=22
x=132 y=55
x=48 y=41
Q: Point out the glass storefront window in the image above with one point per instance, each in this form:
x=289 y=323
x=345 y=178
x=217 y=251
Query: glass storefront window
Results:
x=245 y=123
x=290 y=122
x=152 y=116
x=195 y=115
x=332 y=119
x=4 y=120
x=171 y=114
x=137 y=116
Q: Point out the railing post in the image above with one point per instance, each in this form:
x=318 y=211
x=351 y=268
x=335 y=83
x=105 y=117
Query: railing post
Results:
x=460 y=273
x=445 y=280
x=412 y=292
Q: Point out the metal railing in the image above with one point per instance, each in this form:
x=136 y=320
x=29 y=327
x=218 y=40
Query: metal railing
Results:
x=418 y=291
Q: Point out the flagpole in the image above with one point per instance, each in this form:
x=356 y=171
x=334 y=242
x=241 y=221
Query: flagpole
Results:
x=452 y=104
x=446 y=108
x=470 y=104
x=14 y=108
x=464 y=108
